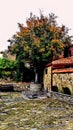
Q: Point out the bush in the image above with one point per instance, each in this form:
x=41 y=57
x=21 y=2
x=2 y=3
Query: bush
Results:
x=6 y=68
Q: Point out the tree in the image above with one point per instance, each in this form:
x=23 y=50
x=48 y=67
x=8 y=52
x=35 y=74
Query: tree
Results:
x=18 y=49
x=41 y=40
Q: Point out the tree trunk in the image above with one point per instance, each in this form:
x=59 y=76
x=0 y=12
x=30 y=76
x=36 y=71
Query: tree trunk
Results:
x=36 y=76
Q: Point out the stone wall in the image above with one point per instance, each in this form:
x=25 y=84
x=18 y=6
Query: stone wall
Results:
x=17 y=87
x=61 y=96
x=63 y=82
x=47 y=78
x=58 y=80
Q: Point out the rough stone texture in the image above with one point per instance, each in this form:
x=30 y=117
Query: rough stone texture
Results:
x=60 y=96
x=35 y=87
x=13 y=86
x=63 y=80
x=17 y=113
x=47 y=78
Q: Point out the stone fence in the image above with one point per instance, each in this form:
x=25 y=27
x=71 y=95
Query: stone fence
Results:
x=60 y=96
x=13 y=86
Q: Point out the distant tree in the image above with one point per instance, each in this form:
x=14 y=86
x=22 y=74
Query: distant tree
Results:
x=40 y=41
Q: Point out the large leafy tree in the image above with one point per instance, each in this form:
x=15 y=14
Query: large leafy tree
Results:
x=40 y=41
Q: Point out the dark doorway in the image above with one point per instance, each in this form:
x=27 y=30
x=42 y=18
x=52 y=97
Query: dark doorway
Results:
x=66 y=90
x=54 y=88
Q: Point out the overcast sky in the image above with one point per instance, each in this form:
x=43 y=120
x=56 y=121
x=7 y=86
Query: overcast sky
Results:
x=17 y=11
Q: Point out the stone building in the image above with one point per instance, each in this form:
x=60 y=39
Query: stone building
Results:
x=58 y=75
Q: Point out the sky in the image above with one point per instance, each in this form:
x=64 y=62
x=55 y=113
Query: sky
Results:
x=13 y=12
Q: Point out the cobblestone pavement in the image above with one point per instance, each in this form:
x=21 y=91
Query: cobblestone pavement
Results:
x=17 y=113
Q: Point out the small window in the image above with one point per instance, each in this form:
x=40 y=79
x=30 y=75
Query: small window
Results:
x=46 y=71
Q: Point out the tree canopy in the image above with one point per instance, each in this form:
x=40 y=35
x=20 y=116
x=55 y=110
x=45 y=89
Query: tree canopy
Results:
x=41 y=40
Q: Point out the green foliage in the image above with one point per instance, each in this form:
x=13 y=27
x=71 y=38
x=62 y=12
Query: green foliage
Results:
x=39 y=41
x=6 y=67
x=5 y=63
x=20 y=69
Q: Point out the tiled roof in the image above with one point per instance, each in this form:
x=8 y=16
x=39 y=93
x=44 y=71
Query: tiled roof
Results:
x=63 y=61
x=50 y=64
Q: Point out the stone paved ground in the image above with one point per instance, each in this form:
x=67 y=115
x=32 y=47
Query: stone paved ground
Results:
x=17 y=113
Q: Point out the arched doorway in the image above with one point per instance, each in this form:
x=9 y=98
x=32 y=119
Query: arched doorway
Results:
x=66 y=90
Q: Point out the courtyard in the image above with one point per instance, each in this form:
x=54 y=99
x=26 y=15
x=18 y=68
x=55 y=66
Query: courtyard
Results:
x=17 y=113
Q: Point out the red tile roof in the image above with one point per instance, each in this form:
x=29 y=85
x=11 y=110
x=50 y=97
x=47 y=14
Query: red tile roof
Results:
x=61 y=62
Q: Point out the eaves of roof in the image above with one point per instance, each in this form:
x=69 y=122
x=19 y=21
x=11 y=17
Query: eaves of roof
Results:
x=66 y=70
x=61 y=62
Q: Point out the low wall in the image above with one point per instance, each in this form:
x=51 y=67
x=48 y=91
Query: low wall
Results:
x=60 y=96
x=13 y=86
